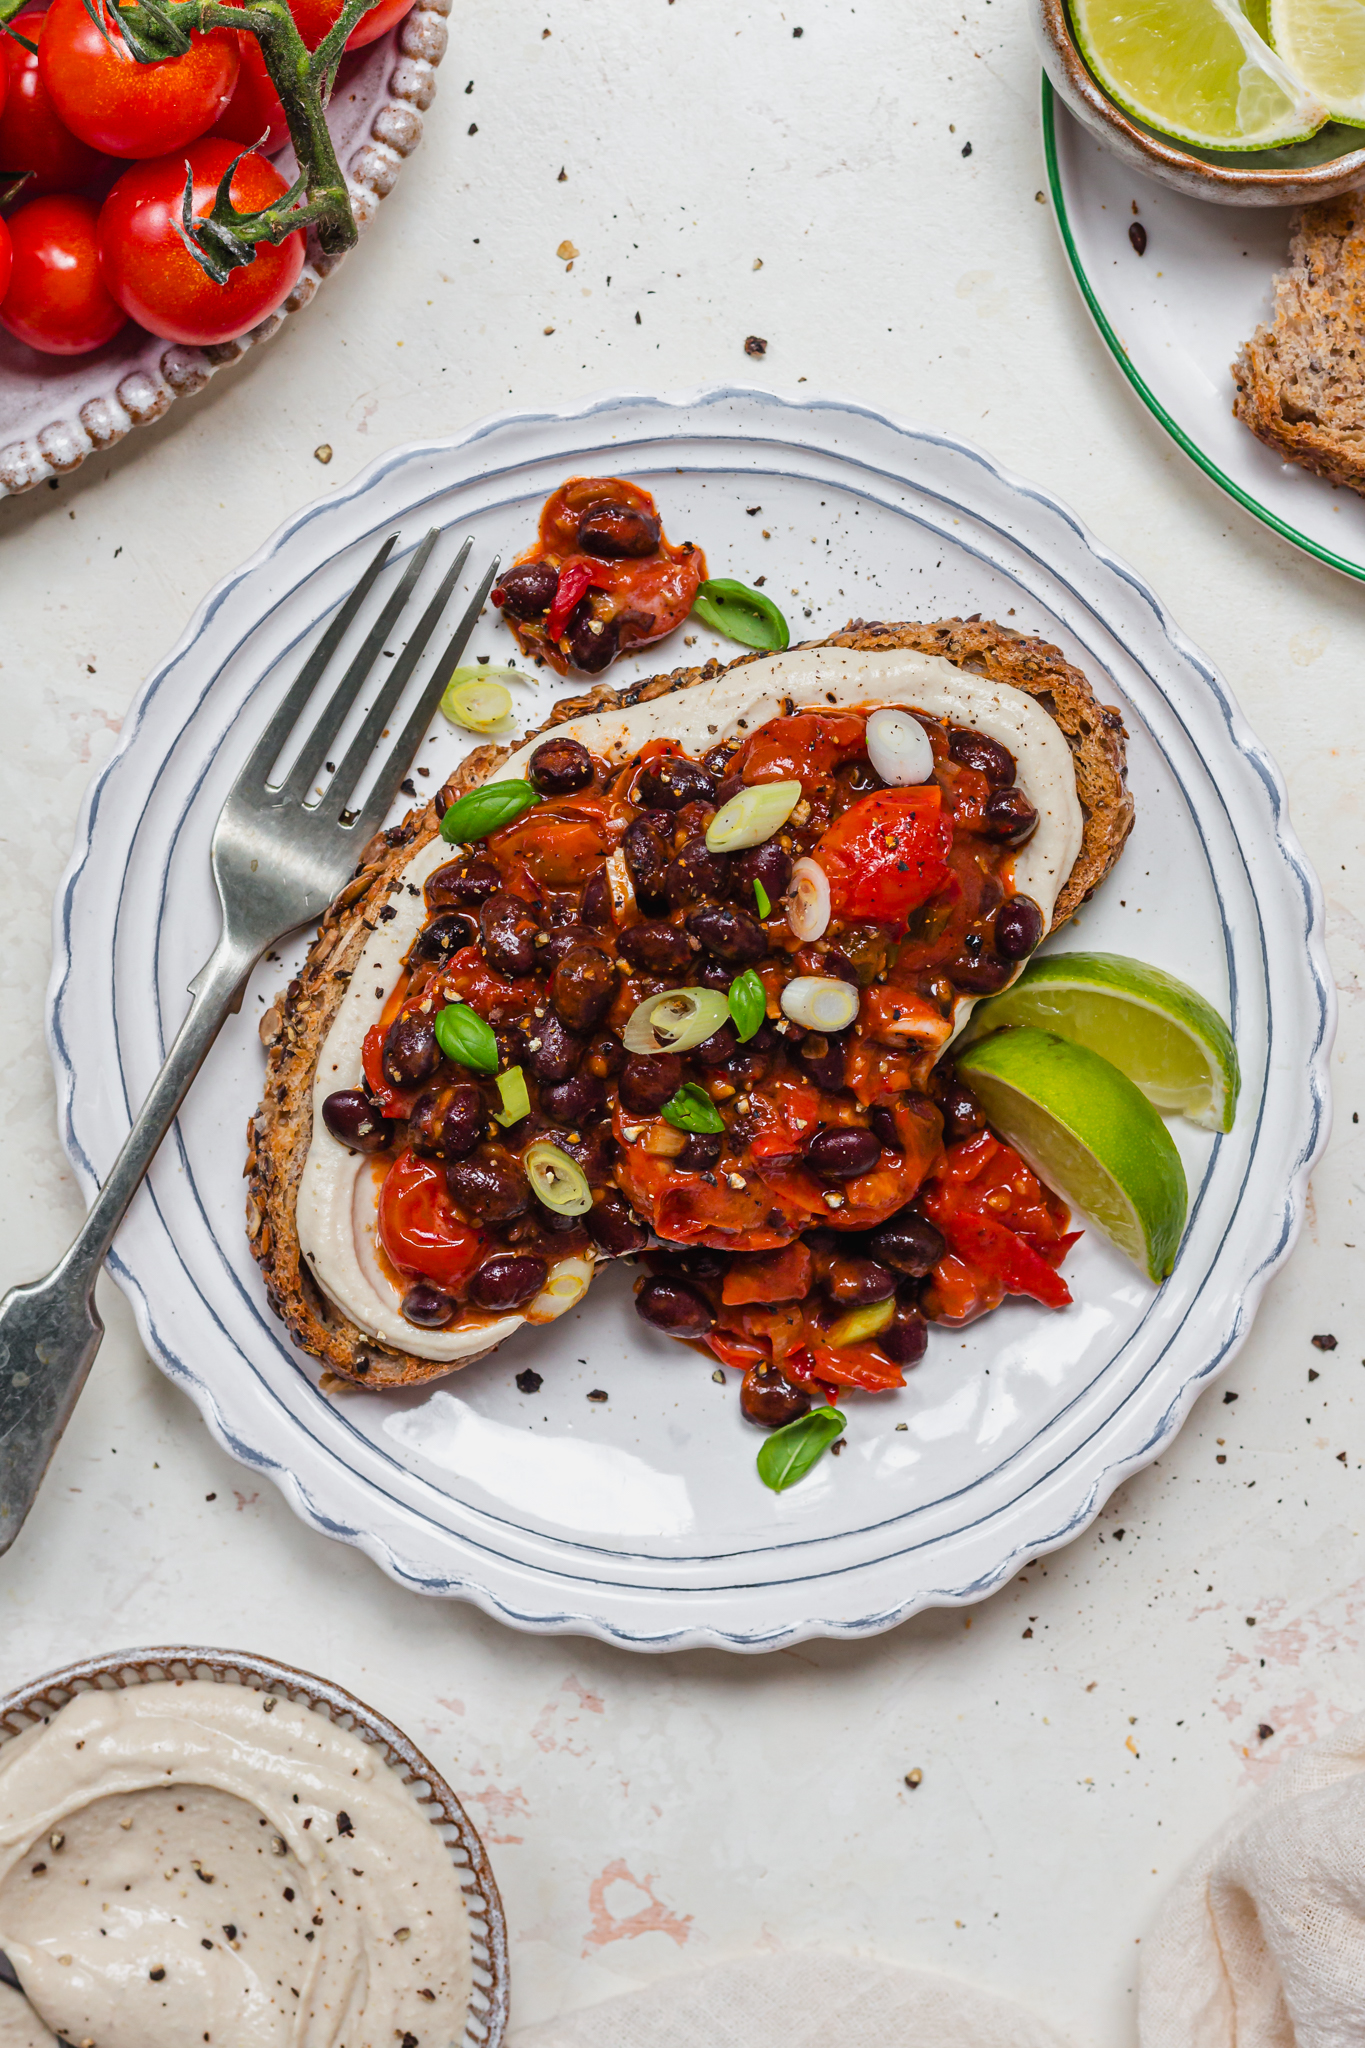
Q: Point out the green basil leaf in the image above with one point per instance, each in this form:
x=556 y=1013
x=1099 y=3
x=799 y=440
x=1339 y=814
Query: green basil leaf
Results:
x=790 y=1451
x=741 y=614
x=481 y=811
x=464 y=1037
x=762 y=899
x=748 y=1003
x=692 y=1109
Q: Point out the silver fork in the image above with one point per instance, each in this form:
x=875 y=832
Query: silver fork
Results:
x=278 y=860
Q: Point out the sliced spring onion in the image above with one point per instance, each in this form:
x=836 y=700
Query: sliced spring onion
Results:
x=752 y=816
x=739 y=613
x=567 y=1284
x=748 y=1000
x=808 y=905
x=464 y=1037
x=516 y=1100
x=860 y=1324
x=762 y=899
x=692 y=1109
x=675 y=1020
x=556 y=1180
x=898 y=748
x=481 y=811
x=820 y=1003
x=475 y=699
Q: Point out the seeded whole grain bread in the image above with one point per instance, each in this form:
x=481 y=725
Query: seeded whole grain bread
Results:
x=1301 y=381
x=294 y=1028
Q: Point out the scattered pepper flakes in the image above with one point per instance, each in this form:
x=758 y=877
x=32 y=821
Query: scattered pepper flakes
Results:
x=914 y=1779
x=549 y=330
x=1251 y=1621
x=473 y=127
x=323 y=453
x=563 y=177
x=598 y=1394
x=566 y=252
x=1227 y=1398
x=1341 y=1457
x=1327 y=1343
x=1027 y=1633
x=1313 y=1373
x=1265 y=1731
x=755 y=345
x=758 y=263
x=1221 y=1459
x=966 y=149
x=529 y=1382
x=719 y=1377
x=1137 y=235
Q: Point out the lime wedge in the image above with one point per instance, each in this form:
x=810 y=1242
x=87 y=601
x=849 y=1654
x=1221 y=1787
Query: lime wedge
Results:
x=1324 y=43
x=1197 y=70
x=1091 y=1135
x=1159 y=1032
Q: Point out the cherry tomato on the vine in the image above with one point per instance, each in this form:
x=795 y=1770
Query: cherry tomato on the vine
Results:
x=6 y=258
x=33 y=137
x=152 y=274
x=315 y=17
x=255 y=110
x=125 y=108
x=57 y=300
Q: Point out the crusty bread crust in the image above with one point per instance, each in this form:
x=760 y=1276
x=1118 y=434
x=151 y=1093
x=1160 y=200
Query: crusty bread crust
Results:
x=1301 y=381
x=294 y=1028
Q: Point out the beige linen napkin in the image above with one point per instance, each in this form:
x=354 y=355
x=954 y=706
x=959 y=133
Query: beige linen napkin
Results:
x=806 y=1999
x=1263 y=1943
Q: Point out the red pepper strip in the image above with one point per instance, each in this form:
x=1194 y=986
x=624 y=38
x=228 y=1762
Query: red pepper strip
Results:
x=860 y=1366
x=768 y=1276
x=740 y=1352
x=990 y=1247
x=388 y=1101
x=573 y=582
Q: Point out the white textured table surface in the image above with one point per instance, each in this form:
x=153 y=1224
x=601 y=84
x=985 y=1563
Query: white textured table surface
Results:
x=1081 y=1733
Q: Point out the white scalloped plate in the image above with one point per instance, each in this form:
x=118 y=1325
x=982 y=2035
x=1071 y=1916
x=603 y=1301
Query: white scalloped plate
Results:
x=640 y=1519
x=54 y=411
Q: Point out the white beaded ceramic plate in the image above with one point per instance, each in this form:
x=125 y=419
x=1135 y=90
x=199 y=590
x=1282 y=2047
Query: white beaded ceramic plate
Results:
x=1175 y=317
x=55 y=410
x=639 y=1519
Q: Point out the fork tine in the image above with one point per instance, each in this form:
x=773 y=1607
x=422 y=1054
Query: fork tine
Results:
x=353 y=763
x=399 y=758
x=263 y=755
x=313 y=752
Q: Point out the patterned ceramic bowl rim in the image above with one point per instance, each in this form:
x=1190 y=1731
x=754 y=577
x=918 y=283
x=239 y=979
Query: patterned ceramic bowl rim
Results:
x=138 y=387
x=1232 y=184
x=31 y=1704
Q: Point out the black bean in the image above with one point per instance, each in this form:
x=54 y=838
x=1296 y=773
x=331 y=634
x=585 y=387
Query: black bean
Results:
x=426 y=1306
x=702 y=1150
x=695 y=872
x=582 y=987
x=593 y=643
x=559 y=942
x=613 y=531
x=489 y=1186
x=1009 y=817
x=509 y=934
x=719 y=1049
x=593 y=1148
x=462 y=881
x=511 y=1045
x=717 y=761
x=855 y=1282
x=675 y=1308
x=648 y=1080
x=509 y=1280
x=980 y=974
x=973 y=750
x=823 y=1060
x=647 y=858
x=768 y=864
x=842 y=1152
x=528 y=589
x=353 y=1120
x=606 y=1055
x=596 y=909
x=768 y=1398
x=575 y=1100
x=553 y=1051
x=411 y=1054
x=655 y=948
x=668 y=784
x=963 y=1116
x=883 y=1123
x=712 y=973
x=612 y=1228
x=1018 y=927
x=447 y=1122
x=909 y=1243
x=904 y=1340
x=731 y=934
x=559 y=767
x=446 y=934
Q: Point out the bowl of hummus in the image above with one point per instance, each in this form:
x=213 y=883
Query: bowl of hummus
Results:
x=201 y=1847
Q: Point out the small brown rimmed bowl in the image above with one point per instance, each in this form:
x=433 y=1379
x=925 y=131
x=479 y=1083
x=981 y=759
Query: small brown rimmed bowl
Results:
x=1273 y=177
x=31 y=1704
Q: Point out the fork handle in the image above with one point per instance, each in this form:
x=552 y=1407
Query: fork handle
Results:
x=50 y=1329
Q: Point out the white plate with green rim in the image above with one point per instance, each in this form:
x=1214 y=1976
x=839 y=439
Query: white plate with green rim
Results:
x=640 y=1519
x=1175 y=317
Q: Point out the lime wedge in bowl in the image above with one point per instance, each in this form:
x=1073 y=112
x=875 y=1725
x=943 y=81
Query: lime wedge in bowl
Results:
x=1160 y=1032
x=1090 y=1134
x=1196 y=70
x=1323 y=41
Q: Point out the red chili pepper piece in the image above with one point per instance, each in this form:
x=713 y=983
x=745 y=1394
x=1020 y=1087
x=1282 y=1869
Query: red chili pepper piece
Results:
x=573 y=582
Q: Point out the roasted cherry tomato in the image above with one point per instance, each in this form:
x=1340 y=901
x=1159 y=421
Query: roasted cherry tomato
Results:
x=1006 y=1232
x=33 y=136
x=255 y=113
x=803 y=749
x=57 y=300
x=418 y=1227
x=152 y=274
x=315 y=17
x=887 y=853
x=125 y=108
x=6 y=258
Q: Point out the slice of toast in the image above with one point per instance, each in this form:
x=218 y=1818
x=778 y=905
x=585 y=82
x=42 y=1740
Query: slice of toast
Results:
x=294 y=1028
x=1301 y=381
